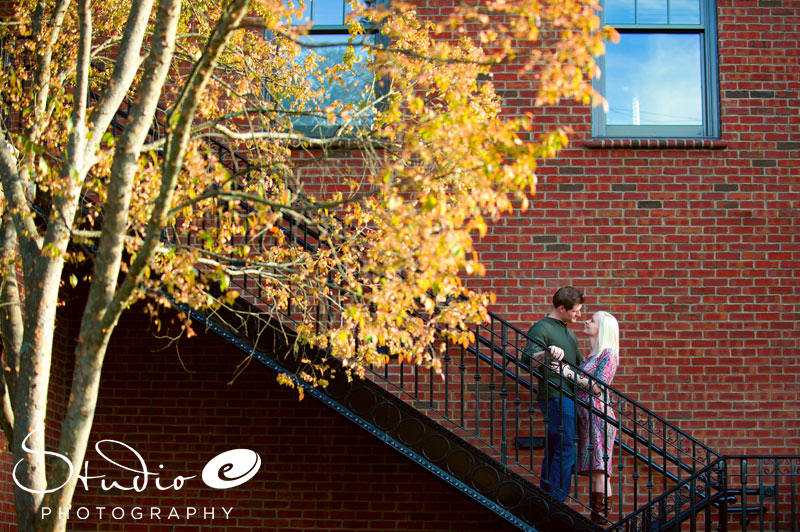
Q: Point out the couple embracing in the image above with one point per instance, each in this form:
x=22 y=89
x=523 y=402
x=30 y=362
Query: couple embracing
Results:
x=595 y=435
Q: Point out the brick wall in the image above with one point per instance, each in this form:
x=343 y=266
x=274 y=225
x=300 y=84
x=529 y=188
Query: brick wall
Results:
x=6 y=487
x=694 y=246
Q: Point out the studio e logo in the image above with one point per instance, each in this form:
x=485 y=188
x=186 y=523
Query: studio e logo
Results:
x=231 y=468
x=226 y=470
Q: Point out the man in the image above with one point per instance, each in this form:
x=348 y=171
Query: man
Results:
x=558 y=409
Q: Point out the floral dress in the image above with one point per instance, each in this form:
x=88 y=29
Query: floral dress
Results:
x=592 y=429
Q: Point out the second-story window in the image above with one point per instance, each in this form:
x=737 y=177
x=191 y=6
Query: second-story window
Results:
x=660 y=80
x=329 y=40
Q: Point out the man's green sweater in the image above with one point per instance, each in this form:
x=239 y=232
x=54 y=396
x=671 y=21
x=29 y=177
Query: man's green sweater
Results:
x=550 y=331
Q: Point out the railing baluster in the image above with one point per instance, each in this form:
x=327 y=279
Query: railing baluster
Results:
x=416 y=381
x=664 y=456
x=531 y=413
x=760 y=477
x=477 y=381
x=462 y=369
x=491 y=383
x=620 y=466
x=744 y=495
x=792 y=470
x=561 y=431
x=431 y=376
x=590 y=446
x=446 y=379
x=517 y=402
x=723 y=507
x=503 y=398
x=649 y=458
x=708 y=508
x=635 y=461
x=605 y=438
x=679 y=455
x=692 y=509
x=777 y=494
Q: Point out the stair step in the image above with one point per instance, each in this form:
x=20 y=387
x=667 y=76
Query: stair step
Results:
x=528 y=443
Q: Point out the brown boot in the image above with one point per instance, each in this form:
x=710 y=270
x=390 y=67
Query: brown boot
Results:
x=610 y=508
x=598 y=507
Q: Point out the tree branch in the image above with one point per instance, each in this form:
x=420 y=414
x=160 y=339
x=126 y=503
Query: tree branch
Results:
x=293 y=137
x=41 y=80
x=179 y=129
x=17 y=202
x=125 y=67
x=10 y=325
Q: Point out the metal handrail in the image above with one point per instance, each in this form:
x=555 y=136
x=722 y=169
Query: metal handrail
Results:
x=718 y=491
x=645 y=448
x=581 y=372
x=629 y=449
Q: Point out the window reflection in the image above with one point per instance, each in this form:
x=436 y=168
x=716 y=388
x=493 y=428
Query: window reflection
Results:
x=684 y=12
x=354 y=87
x=328 y=41
x=656 y=80
x=620 y=11
x=651 y=12
x=329 y=13
x=321 y=12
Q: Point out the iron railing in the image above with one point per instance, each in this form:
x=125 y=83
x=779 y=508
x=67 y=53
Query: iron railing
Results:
x=486 y=392
x=733 y=493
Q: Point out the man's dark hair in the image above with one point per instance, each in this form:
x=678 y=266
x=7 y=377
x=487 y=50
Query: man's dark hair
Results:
x=568 y=296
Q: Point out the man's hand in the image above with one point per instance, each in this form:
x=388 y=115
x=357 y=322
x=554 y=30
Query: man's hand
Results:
x=556 y=352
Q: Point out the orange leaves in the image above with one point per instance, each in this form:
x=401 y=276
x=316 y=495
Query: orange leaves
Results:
x=358 y=242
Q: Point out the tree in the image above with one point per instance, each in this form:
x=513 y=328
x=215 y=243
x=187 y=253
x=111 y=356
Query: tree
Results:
x=155 y=214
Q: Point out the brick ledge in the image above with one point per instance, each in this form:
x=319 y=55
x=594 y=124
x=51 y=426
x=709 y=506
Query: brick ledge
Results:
x=657 y=144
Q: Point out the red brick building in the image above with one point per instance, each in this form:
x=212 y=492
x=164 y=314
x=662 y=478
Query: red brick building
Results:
x=685 y=226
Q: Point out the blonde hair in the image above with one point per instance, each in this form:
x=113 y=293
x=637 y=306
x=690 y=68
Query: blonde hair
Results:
x=607 y=332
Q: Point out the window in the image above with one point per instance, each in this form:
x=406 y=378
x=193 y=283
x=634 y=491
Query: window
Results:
x=328 y=40
x=660 y=80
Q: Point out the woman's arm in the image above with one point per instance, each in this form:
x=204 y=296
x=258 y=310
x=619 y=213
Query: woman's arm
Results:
x=592 y=386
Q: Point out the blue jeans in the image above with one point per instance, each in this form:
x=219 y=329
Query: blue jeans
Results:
x=559 y=458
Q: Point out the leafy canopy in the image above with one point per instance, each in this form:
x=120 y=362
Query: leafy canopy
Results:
x=357 y=239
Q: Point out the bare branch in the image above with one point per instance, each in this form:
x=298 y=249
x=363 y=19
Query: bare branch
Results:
x=232 y=195
x=125 y=67
x=292 y=137
x=17 y=201
x=179 y=127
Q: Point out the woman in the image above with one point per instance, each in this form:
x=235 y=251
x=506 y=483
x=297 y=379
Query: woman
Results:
x=595 y=436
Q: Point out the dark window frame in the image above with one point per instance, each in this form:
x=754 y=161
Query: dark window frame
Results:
x=710 y=128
